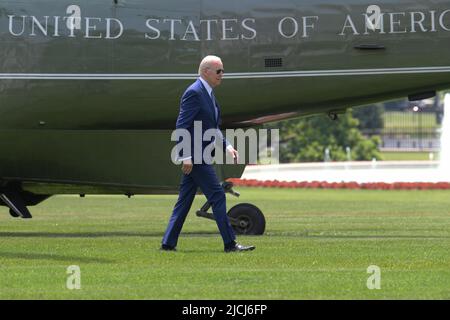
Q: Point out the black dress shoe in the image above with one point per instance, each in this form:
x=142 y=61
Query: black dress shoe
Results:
x=165 y=247
x=239 y=247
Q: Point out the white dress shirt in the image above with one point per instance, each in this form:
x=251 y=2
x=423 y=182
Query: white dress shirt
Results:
x=207 y=86
x=209 y=90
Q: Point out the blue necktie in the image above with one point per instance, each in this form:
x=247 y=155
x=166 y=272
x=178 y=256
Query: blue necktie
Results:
x=214 y=104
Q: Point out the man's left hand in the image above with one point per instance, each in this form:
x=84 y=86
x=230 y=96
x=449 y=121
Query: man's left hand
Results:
x=233 y=152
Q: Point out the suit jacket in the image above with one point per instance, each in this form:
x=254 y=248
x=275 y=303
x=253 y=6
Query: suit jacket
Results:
x=197 y=105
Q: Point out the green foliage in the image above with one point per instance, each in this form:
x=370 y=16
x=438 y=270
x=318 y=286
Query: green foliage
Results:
x=370 y=117
x=305 y=140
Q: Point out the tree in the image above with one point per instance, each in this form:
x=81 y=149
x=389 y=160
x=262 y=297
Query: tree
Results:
x=306 y=139
x=370 y=117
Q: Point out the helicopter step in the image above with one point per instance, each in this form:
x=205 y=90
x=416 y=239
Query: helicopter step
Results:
x=16 y=204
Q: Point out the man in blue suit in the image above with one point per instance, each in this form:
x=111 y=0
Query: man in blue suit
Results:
x=198 y=104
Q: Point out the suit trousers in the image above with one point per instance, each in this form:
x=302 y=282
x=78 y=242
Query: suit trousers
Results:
x=202 y=176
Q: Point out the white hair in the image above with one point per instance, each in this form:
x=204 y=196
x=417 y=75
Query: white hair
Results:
x=206 y=62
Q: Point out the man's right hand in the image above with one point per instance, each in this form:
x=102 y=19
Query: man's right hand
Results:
x=187 y=166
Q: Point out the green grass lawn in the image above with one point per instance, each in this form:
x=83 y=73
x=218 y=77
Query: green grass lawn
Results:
x=408 y=156
x=409 y=120
x=318 y=245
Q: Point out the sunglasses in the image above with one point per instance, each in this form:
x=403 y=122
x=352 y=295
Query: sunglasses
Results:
x=219 y=71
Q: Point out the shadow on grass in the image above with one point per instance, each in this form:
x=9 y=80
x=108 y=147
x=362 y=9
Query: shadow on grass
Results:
x=54 y=257
x=377 y=237
x=342 y=236
x=98 y=234
x=219 y=250
x=93 y=235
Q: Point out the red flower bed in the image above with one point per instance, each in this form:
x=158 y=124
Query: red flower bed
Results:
x=341 y=185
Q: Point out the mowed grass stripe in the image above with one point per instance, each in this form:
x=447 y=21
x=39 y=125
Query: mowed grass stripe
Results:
x=318 y=244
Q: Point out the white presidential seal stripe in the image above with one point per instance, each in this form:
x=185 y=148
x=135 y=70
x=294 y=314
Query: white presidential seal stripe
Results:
x=244 y=75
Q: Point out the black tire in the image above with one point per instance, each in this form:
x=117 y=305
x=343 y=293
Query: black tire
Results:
x=247 y=219
x=13 y=213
